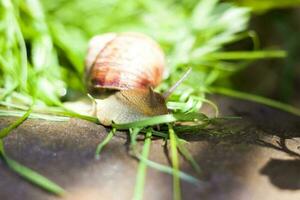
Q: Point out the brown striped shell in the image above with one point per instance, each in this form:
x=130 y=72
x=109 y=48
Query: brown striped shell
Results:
x=124 y=61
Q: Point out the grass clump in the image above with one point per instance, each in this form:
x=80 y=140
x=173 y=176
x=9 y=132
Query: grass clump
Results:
x=42 y=50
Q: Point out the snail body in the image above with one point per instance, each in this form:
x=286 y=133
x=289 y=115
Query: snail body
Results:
x=129 y=105
x=121 y=70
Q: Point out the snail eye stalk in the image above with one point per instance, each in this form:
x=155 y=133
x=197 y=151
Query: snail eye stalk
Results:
x=173 y=87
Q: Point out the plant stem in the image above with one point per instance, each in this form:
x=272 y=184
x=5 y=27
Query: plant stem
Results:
x=246 y=55
x=175 y=164
x=5 y=131
x=141 y=174
x=104 y=142
x=166 y=169
x=256 y=98
x=188 y=156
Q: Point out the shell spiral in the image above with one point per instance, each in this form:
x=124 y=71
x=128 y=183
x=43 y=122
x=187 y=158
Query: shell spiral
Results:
x=124 y=61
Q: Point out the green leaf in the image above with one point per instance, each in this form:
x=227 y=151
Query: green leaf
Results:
x=166 y=169
x=255 y=98
x=175 y=164
x=5 y=131
x=14 y=113
x=187 y=155
x=163 y=168
x=142 y=169
x=104 y=143
x=161 y=119
x=31 y=175
x=245 y=55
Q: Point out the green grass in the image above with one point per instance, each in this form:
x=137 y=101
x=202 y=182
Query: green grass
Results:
x=104 y=142
x=265 y=5
x=30 y=175
x=5 y=131
x=17 y=113
x=163 y=119
x=23 y=171
x=43 y=45
x=187 y=155
x=169 y=170
x=144 y=162
x=175 y=164
x=246 y=55
x=142 y=169
x=256 y=98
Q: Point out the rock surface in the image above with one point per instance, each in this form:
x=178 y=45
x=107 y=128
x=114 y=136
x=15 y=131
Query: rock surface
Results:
x=259 y=158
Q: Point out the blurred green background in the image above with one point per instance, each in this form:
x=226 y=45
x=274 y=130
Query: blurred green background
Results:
x=278 y=24
x=43 y=45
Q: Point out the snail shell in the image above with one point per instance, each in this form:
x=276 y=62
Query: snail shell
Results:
x=129 y=65
x=124 y=61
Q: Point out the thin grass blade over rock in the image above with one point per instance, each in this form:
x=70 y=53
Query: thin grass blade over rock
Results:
x=43 y=45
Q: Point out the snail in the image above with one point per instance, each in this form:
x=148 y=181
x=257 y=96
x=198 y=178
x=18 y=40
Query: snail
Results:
x=121 y=71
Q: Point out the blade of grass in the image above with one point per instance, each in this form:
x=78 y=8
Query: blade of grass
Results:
x=162 y=119
x=30 y=175
x=187 y=155
x=249 y=34
x=175 y=164
x=256 y=98
x=23 y=76
x=163 y=168
x=142 y=169
x=59 y=111
x=5 y=131
x=133 y=135
x=168 y=170
x=80 y=116
x=23 y=171
x=246 y=55
x=71 y=113
x=213 y=105
x=14 y=113
x=158 y=134
x=12 y=105
x=194 y=129
x=147 y=122
x=104 y=142
x=8 y=92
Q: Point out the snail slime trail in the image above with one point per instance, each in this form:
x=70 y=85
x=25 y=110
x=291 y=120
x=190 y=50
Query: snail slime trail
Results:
x=121 y=70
